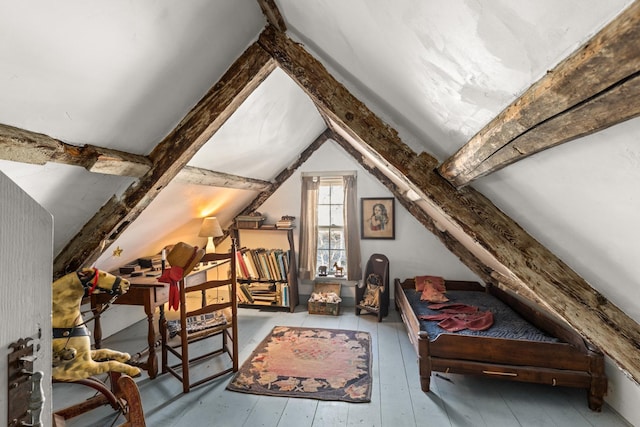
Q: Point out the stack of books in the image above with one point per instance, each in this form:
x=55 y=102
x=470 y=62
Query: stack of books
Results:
x=153 y=262
x=286 y=222
x=261 y=293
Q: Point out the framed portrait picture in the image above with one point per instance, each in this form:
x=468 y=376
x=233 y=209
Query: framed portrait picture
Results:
x=377 y=218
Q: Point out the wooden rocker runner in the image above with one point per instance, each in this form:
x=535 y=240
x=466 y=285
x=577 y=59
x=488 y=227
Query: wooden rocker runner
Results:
x=123 y=397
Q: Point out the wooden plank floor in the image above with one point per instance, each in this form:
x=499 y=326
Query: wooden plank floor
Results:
x=396 y=400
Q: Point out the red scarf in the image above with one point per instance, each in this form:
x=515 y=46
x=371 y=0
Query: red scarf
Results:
x=172 y=276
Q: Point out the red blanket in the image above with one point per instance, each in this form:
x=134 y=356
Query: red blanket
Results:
x=456 y=317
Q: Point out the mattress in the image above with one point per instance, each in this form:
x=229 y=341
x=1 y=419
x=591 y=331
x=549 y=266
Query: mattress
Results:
x=507 y=323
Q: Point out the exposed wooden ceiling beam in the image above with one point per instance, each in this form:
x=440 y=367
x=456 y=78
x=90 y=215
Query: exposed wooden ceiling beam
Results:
x=583 y=94
x=487 y=229
x=24 y=146
x=273 y=15
x=20 y=145
x=168 y=158
x=617 y=104
x=199 y=176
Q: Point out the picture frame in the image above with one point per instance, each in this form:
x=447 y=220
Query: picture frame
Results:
x=377 y=218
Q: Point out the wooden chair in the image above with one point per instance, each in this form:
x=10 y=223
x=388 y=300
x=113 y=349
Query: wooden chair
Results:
x=213 y=341
x=378 y=265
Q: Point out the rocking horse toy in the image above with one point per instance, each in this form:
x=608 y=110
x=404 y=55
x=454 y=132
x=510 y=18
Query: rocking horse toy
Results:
x=73 y=359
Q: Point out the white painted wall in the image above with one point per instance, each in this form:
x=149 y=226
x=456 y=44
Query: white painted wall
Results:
x=26 y=268
x=414 y=250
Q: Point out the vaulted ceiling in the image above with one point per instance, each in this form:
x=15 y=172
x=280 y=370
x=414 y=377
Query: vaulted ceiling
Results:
x=111 y=106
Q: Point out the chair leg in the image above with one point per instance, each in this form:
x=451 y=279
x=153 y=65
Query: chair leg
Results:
x=163 y=340
x=184 y=350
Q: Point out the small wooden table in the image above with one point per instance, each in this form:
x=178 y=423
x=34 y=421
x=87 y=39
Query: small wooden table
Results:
x=150 y=294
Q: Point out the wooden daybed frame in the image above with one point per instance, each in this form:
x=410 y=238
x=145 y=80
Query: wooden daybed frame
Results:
x=570 y=363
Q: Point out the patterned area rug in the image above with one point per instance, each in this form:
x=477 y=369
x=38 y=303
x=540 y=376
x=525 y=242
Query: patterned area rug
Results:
x=324 y=364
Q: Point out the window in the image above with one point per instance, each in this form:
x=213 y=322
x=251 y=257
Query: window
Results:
x=331 y=247
x=329 y=225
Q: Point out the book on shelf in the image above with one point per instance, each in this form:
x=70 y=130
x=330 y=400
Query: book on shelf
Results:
x=240 y=296
x=262 y=256
x=285 y=294
x=272 y=265
x=265 y=297
x=272 y=269
x=241 y=268
x=251 y=254
x=280 y=259
x=262 y=287
x=247 y=293
x=249 y=263
x=285 y=261
x=284 y=224
x=263 y=303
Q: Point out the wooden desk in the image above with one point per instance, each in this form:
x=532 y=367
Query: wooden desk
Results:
x=150 y=294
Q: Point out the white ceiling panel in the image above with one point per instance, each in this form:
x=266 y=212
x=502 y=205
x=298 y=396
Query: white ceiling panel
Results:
x=266 y=134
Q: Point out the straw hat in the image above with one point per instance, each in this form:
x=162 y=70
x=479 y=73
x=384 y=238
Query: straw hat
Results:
x=184 y=255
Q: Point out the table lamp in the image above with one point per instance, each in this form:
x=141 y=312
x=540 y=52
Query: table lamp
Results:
x=210 y=228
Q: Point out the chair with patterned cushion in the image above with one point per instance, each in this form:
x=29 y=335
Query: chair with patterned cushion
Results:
x=207 y=327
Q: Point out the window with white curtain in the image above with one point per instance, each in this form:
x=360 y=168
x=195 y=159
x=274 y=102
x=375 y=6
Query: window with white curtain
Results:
x=331 y=246
x=329 y=225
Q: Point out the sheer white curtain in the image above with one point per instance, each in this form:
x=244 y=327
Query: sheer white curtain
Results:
x=352 y=239
x=308 y=227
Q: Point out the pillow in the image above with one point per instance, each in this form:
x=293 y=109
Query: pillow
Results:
x=438 y=281
x=433 y=288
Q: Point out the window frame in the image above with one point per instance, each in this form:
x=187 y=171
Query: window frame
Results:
x=331 y=181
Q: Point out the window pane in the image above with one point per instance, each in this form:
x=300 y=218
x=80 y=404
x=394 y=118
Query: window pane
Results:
x=322 y=258
x=337 y=215
x=323 y=239
x=337 y=194
x=324 y=194
x=324 y=215
x=337 y=239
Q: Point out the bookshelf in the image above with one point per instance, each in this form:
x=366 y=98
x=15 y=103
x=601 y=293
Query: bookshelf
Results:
x=267 y=271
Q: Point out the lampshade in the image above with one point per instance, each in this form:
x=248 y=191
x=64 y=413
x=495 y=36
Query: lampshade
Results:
x=210 y=228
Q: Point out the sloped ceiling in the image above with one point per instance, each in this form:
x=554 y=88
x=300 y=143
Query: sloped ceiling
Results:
x=122 y=75
x=266 y=133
